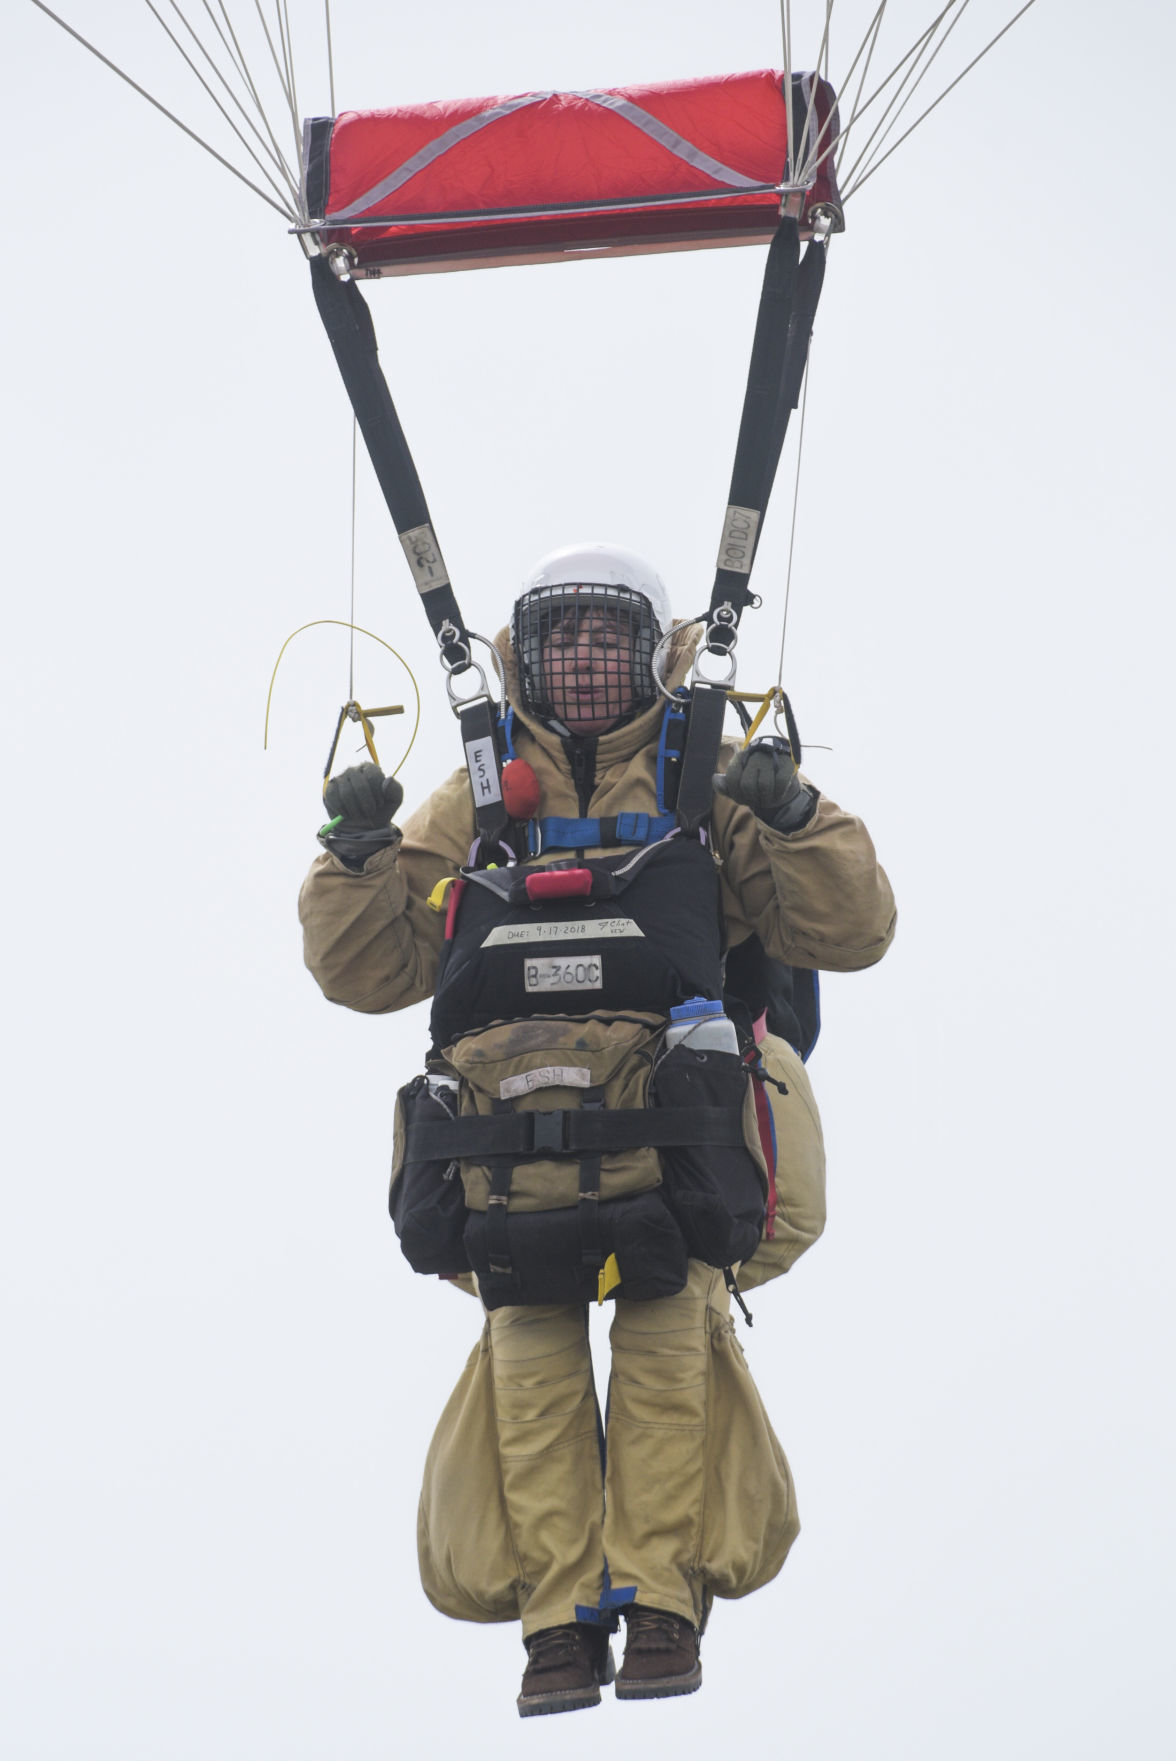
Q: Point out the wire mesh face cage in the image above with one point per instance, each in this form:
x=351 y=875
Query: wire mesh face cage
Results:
x=585 y=654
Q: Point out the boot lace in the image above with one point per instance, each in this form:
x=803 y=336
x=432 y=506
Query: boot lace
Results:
x=653 y=1629
x=553 y=1648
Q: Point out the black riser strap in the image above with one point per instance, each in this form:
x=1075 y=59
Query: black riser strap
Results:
x=809 y=282
x=574 y=1132
x=704 y=735
x=479 y=729
x=352 y=336
x=779 y=352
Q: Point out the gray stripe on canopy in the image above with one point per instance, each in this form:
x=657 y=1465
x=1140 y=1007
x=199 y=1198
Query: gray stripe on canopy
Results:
x=665 y=137
x=459 y=132
x=649 y=125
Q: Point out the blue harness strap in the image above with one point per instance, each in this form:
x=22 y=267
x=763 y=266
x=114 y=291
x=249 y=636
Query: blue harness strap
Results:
x=555 y=833
x=599 y=834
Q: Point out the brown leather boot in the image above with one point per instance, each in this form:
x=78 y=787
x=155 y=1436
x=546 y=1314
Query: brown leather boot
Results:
x=565 y=1667
x=661 y=1656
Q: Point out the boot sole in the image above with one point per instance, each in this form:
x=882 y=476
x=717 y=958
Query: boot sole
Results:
x=569 y=1700
x=659 y=1687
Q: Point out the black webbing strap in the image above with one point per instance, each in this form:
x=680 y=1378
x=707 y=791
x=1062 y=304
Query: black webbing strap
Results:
x=497 y=1238
x=352 y=336
x=783 y=331
x=573 y=1132
x=501 y=1170
x=704 y=733
x=588 y=1209
x=784 y=323
x=479 y=729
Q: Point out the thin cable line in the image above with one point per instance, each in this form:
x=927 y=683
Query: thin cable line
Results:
x=273 y=52
x=280 y=73
x=821 y=152
x=330 y=56
x=351 y=658
x=278 y=162
x=786 y=31
x=892 y=124
x=251 y=84
x=955 y=82
x=923 y=46
x=180 y=50
x=289 y=214
x=795 y=505
x=861 y=109
x=288 y=56
x=870 y=37
x=822 y=53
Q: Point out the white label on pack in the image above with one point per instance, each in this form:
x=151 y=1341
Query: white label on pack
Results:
x=424 y=558
x=737 y=545
x=551 y=1076
x=560 y=974
x=509 y=935
x=483 y=769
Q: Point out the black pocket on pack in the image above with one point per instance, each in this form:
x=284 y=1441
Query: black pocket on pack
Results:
x=426 y=1199
x=715 y=1193
x=547 y=1261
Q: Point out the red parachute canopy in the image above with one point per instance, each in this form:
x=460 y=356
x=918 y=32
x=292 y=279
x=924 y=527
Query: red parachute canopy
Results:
x=542 y=175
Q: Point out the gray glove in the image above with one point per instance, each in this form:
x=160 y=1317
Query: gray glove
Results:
x=364 y=802
x=764 y=777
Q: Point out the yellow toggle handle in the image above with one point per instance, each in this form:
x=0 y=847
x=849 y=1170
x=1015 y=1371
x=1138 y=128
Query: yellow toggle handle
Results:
x=436 y=899
x=608 y=1279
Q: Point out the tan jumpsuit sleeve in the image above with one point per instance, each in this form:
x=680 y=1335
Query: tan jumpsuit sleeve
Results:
x=816 y=897
x=370 y=938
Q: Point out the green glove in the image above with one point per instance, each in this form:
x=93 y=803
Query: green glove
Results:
x=764 y=777
x=361 y=803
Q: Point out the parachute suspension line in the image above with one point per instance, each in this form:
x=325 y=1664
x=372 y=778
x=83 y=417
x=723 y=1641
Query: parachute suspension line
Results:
x=278 y=69
x=860 y=109
x=269 y=147
x=786 y=34
x=289 y=213
x=354 y=464
x=822 y=149
x=955 y=82
x=283 y=11
x=792 y=533
x=910 y=82
x=822 y=57
x=871 y=37
x=183 y=53
x=330 y=55
x=237 y=55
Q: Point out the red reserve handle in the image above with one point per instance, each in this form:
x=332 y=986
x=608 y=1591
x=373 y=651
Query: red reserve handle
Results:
x=560 y=883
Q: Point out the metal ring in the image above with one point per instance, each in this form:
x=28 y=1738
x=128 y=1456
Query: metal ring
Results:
x=732 y=664
x=483 y=690
x=448 y=634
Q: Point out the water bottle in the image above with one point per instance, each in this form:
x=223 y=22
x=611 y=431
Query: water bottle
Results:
x=703 y=1026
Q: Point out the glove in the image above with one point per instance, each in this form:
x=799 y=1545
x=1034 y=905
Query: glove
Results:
x=364 y=801
x=764 y=777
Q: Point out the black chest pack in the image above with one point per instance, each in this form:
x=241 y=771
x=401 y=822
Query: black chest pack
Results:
x=556 y=1145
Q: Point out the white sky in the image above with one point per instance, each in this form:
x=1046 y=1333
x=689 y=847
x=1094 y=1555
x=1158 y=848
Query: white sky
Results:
x=220 y=1377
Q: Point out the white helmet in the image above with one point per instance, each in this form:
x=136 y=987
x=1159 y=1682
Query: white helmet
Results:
x=604 y=565
x=585 y=582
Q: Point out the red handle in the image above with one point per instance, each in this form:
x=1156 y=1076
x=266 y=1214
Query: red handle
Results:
x=560 y=883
